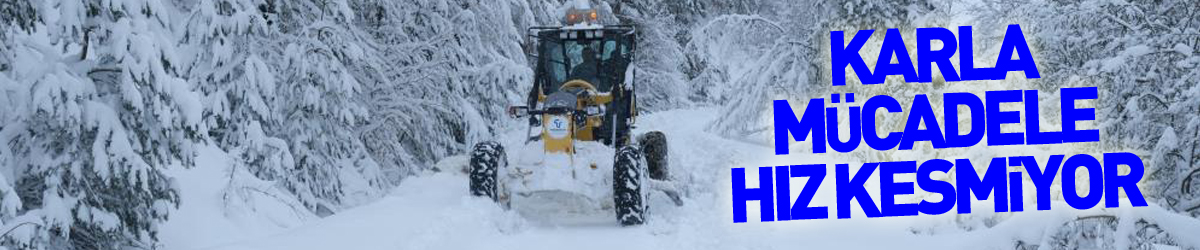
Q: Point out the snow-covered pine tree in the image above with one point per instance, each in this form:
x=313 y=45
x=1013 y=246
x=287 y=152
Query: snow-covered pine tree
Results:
x=776 y=58
x=321 y=69
x=16 y=15
x=1123 y=48
x=749 y=61
x=660 y=62
x=1183 y=190
x=454 y=67
x=10 y=203
x=226 y=67
x=104 y=110
x=225 y=39
x=1141 y=57
x=719 y=50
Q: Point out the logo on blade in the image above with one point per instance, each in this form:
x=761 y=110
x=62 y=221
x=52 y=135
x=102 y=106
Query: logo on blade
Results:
x=557 y=127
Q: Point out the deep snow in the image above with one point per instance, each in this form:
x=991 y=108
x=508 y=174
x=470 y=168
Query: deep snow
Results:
x=434 y=211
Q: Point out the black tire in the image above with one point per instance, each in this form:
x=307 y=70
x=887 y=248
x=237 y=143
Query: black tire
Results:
x=627 y=186
x=486 y=159
x=654 y=148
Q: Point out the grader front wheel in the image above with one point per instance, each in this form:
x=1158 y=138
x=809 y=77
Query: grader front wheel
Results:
x=486 y=160
x=628 y=173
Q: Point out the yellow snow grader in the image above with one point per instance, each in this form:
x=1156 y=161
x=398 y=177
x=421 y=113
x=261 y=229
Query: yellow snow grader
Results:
x=581 y=111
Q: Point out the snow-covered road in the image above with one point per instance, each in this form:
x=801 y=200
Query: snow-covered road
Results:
x=434 y=211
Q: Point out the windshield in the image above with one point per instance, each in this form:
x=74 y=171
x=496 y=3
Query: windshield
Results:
x=588 y=60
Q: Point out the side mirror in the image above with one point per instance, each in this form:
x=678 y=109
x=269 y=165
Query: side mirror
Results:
x=518 y=111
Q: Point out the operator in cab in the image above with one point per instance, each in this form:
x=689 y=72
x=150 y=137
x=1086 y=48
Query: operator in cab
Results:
x=587 y=69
